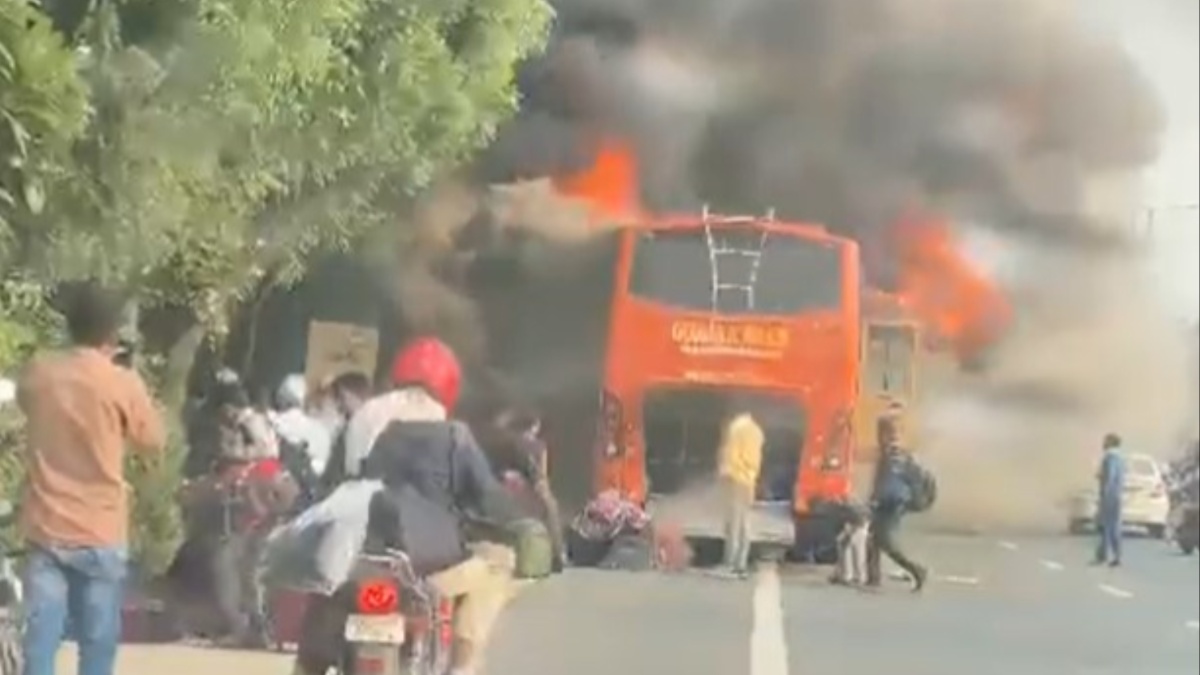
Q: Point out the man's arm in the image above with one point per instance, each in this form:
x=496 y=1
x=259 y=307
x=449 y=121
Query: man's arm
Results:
x=475 y=485
x=143 y=422
x=1104 y=474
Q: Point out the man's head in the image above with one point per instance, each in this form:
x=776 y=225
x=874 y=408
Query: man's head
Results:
x=94 y=316
x=292 y=393
x=1111 y=441
x=350 y=391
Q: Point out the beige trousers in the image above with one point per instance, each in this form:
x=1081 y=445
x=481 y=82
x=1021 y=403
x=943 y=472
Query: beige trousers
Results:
x=481 y=585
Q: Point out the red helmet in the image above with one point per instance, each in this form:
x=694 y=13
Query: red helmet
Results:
x=430 y=364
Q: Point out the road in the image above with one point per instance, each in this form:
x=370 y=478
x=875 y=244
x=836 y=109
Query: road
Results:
x=1029 y=606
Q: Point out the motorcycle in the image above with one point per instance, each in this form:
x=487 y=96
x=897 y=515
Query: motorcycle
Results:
x=398 y=624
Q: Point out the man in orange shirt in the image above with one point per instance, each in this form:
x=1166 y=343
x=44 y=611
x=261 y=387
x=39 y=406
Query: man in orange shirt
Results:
x=81 y=408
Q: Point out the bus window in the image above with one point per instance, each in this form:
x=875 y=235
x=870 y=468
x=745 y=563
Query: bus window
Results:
x=891 y=354
x=793 y=274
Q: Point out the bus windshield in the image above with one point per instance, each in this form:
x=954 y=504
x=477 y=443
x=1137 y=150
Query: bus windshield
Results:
x=736 y=271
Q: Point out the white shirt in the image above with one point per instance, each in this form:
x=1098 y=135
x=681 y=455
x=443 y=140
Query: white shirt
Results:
x=296 y=427
x=402 y=405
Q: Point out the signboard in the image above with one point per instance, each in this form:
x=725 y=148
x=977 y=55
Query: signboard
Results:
x=336 y=348
x=751 y=339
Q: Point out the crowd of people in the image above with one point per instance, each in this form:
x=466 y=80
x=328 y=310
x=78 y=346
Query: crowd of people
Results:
x=254 y=472
x=249 y=472
x=390 y=466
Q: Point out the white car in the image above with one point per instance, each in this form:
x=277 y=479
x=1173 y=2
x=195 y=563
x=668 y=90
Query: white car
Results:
x=1146 y=502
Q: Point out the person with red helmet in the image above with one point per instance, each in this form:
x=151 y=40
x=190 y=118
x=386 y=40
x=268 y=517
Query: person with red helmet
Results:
x=432 y=471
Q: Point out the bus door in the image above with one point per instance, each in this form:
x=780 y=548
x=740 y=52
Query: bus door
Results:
x=888 y=380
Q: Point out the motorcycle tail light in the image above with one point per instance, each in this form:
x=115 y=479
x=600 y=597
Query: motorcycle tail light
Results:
x=377 y=596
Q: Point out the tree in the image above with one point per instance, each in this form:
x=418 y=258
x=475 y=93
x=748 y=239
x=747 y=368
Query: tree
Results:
x=231 y=141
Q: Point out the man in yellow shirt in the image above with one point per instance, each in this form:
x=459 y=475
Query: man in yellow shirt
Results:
x=741 y=461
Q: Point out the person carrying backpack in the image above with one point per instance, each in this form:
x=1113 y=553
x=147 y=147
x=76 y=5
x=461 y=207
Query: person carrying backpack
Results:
x=901 y=486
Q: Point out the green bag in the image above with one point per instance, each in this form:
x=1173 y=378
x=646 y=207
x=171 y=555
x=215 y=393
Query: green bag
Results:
x=535 y=551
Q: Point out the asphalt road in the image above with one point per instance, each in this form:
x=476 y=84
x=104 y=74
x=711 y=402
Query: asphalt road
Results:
x=1028 y=606
x=1031 y=606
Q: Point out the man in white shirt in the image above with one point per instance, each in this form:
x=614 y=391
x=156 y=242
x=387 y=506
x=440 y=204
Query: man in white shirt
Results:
x=402 y=405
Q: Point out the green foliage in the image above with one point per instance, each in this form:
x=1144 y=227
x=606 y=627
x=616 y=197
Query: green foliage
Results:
x=43 y=107
x=197 y=150
x=26 y=321
x=154 y=513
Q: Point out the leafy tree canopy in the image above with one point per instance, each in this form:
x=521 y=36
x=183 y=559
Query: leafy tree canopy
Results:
x=195 y=150
x=230 y=139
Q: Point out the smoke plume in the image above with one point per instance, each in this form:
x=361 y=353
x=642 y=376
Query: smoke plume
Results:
x=1000 y=115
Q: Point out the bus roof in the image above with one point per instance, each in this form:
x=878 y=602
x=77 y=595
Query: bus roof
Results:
x=696 y=220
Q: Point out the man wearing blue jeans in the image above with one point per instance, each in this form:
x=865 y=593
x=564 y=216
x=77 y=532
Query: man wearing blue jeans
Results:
x=81 y=408
x=1111 y=484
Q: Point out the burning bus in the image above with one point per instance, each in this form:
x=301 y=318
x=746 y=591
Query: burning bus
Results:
x=716 y=315
x=701 y=316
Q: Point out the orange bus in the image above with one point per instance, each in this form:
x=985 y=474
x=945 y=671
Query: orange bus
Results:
x=712 y=316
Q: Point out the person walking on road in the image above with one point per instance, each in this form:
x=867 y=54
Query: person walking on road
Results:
x=81 y=408
x=891 y=495
x=741 y=462
x=1111 y=480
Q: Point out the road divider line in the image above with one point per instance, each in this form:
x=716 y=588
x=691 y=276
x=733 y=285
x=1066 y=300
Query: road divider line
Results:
x=1008 y=545
x=1116 y=592
x=961 y=580
x=768 y=646
x=1193 y=624
x=1052 y=565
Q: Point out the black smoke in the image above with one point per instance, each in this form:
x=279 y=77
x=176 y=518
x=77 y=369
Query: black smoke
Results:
x=842 y=112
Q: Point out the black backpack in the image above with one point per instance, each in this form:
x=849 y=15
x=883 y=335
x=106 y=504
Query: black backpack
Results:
x=923 y=486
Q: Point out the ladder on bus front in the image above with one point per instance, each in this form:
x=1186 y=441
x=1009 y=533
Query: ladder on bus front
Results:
x=717 y=251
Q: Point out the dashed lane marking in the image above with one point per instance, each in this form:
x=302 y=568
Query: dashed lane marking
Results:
x=1008 y=545
x=1052 y=565
x=961 y=580
x=1116 y=592
x=768 y=646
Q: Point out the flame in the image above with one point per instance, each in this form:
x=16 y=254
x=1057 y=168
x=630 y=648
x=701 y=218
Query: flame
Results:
x=959 y=307
x=609 y=186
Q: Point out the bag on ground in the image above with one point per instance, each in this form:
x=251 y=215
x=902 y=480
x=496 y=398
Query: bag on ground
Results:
x=631 y=553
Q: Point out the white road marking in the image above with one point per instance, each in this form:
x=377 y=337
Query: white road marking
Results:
x=1008 y=545
x=1052 y=565
x=955 y=579
x=768 y=646
x=1193 y=625
x=1116 y=592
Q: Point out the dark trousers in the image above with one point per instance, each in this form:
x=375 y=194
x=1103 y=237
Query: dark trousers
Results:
x=238 y=592
x=885 y=526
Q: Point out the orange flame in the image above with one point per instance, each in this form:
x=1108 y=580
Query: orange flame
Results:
x=959 y=306
x=609 y=186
